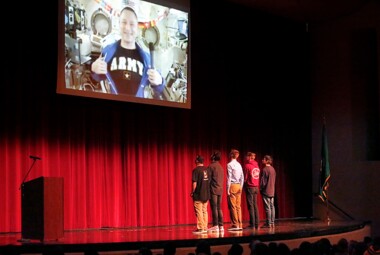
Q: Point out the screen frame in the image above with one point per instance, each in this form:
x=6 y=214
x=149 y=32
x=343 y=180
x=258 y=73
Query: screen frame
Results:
x=182 y=5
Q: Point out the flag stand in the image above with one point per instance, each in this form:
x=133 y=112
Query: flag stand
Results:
x=328 y=219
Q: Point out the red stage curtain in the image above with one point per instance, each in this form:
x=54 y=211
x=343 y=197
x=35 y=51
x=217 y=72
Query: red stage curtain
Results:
x=119 y=170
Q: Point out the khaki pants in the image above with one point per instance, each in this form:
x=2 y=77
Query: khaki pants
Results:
x=200 y=209
x=234 y=202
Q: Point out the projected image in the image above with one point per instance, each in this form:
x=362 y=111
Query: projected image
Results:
x=127 y=50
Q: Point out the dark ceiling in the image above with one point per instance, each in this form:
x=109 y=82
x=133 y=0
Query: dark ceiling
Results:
x=306 y=10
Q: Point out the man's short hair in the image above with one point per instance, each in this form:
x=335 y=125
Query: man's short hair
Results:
x=199 y=159
x=215 y=156
x=130 y=9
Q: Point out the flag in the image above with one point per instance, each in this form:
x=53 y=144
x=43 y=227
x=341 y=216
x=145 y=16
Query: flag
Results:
x=325 y=166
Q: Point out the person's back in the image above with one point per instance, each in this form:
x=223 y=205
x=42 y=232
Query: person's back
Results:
x=217 y=178
x=200 y=194
x=235 y=184
x=268 y=180
x=252 y=181
x=216 y=186
x=200 y=176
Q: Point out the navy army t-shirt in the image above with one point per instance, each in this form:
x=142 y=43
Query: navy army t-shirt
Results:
x=126 y=69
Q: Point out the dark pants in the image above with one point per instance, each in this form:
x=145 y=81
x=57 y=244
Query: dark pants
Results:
x=251 y=195
x=216 y=209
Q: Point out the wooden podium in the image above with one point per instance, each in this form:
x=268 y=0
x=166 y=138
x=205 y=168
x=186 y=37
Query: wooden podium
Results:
x=42 y=208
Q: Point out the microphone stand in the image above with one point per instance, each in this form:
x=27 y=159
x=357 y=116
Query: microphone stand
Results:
x=23 y=181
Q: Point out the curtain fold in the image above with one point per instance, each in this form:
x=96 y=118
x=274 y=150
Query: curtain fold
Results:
x=115 y=174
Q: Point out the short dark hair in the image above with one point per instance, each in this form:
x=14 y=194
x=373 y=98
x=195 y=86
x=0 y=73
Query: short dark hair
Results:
x=234 y=153
x=199 y=159
x=215 y=156
x=250 y=154
x=268 y=159
x=129 y=9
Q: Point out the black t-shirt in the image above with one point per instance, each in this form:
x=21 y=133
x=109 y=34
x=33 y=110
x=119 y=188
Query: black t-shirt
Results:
x=126 y=69
x=201 y=175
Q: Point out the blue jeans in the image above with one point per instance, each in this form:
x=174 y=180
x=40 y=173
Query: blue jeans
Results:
x=269 y=209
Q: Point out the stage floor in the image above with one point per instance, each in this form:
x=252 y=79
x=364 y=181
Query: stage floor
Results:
x=181 y=236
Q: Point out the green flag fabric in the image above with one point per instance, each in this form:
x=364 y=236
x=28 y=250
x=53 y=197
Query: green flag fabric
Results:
x=325 y=167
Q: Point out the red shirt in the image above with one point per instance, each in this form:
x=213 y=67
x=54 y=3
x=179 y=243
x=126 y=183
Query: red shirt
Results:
x=251 y=173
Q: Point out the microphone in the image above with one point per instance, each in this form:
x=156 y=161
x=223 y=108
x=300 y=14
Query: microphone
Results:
x=151 y=50
x=34 y=157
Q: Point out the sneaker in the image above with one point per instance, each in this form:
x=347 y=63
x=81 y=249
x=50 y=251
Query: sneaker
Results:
x=233 y=229
x=199 y=231
x=221 y=228
x=213 y=229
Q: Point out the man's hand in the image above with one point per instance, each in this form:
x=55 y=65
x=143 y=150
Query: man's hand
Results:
x=99 y=66
x=154 y=77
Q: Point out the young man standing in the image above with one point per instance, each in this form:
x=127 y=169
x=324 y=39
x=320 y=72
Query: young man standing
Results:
x=235 y=181
x=217 y=180
x=200 y=193
x=267 y=189
x=251 y=179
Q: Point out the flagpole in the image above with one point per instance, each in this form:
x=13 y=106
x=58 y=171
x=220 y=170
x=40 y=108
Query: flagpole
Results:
x=325 y=172
x=328 y=220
